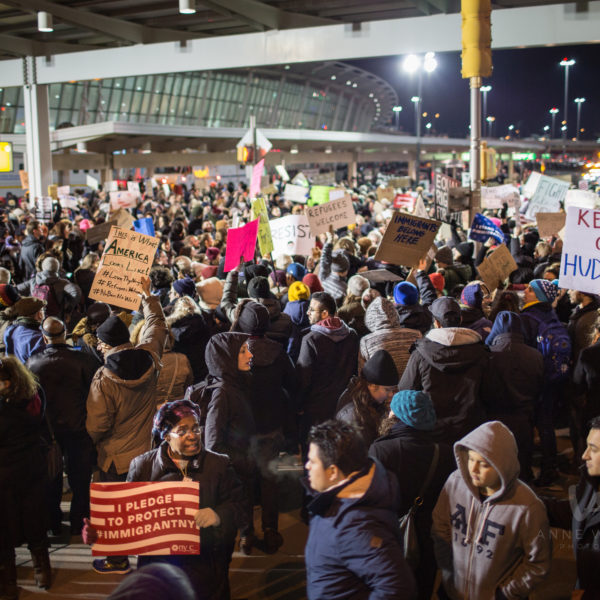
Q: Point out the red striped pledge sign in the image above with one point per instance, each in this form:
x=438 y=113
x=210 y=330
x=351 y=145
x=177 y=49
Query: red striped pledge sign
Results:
x=145 y=518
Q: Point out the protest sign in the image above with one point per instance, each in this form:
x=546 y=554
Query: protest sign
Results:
x=335 y=213
x=405 y=201
x=123 y=200
x=548 y=195
x=145 y=226
x=257 y=172
x=111 y=186
x=43 y=209
x=295 y=193
x=134 y=188
x=497 y=267
x=98 y=233
x=579 y=266
x=531 y=183
x=282 y=173
x=241 y=242
x=324 y=178
x=269 y=189
x=68 y=201
x=407 y=239
x=495 y=197
x=319 y=194
x=387 y=193
x=420 y=210
x=91 y=182
x=24 y=177
x=122 y=218
x=291 y=235
x=145 y=518
x=399 y=182
x=582 y=198
x=483 y=228
x=442 y=184
x=259 y=211
x=53 y=191
x=336 y=194
x=300 y=179
x=63 y=190
x=128 y=256
x=550 y=224
x=380 y=276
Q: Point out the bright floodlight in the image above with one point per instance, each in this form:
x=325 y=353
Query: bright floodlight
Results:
x=563 y=128
x=579 y=100
x=486 y=88
x=546 y=127
x=491 y=119
x=553 y=111
x=428 y=126
x=511 y=127
x=430 y=63
x=411 y=63
x=415 y=99
x=566 y=62
x=397 y=108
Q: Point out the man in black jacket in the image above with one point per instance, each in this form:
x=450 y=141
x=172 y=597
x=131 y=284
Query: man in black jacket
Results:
x=31 y=248
x=65 y=376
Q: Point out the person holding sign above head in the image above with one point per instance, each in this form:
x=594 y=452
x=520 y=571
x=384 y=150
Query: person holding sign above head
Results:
x=334 y=270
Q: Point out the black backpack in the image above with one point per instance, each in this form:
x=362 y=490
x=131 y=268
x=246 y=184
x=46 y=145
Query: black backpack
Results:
x=201 y=395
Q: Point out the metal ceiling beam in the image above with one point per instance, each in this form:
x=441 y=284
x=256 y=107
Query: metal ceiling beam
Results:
x=26 y=47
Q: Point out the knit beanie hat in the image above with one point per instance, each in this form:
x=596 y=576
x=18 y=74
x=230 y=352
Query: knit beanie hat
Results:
x=414 y=409
x=97 y=313
x=380 y=369
x=278 y=278
x=438 y=281
x=472 y=295
x=210 y=292
x=545 y=291
x=208 y=271
x=50 y=265
x=113 y=332
x=357 y=284
x=298 y=291
x=406 y=294
x=253 y=319
x=312 y=282
x=465 y=249
x=296 y=270
x=8 y=295
x=185 y=287
x=212 y=253
x=339 y=262
x=444 y=255
x=251 y=271
x=259 y=288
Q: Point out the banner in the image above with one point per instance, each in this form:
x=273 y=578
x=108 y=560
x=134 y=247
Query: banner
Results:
x=407 y=239
x=123 y=200
x=259 y=211
x=291 y=235
x=145 y=226
x=241 y=242
x=497 y=267
x=319 y=194
x=145 y=518
x=548 y=195
x=335 y=213
x=483 y=228
x=495 y=197
x=295 y=193
x=127 y=257
x=550 y=224
x=579 y=266
x=257 y=172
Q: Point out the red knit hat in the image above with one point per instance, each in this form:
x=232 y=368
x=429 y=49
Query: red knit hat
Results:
x=439 y=283
x=312 y=282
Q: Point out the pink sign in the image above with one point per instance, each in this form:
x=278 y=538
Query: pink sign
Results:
x=404 y=201
x=257 y=172
x=241 y=242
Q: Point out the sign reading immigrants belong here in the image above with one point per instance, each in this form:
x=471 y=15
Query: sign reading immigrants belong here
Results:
x=127 y=257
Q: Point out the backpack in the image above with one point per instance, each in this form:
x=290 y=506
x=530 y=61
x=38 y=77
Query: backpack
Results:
x=554 y=344
x=43 y=291
x=201 y=395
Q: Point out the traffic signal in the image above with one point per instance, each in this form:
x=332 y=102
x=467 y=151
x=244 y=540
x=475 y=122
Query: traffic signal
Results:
x=476 y=38
x=489 y=170
x=245 y=154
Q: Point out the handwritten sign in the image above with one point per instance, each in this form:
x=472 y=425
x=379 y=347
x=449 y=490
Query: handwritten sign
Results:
x=324 y=178
x=497 y=267
x=582 y=198
x=43 y=209
x=145 y=518
x=63 y=190
x=259 y=211
x=387 y=193
x=550 y=224
x=241 y=242
x=495 y=197
x=319 y=194
x=134 y=188
x=128 y=256
x=579 y=266
x=291 y=235
x=548 y=195
x=123 y=200
x=335 y=213
x=406 y=201
x=399 y=182
x=442 y=184
x=295 y=193
x=407 y=239
x=257 y=172
x=24 y=177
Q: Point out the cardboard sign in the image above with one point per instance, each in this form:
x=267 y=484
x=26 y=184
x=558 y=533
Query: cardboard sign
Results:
x=127 y=257
x=580 y=265
x=24 y=176
x=548 y=195
x=319 y=194
x=122 y=218
x=387 y=193
x=145 y=518
x=405 y=201
x=495 y=197
x=324 y=178
x=291 y=235
x=257 y=172
x=380 y=276
x=295 y=193
x=123 y=200
x=335 y=213
x=550 y=224
x=241 y=242
x=53 y=191
x=96 y=234
x=582 y=198
x=442 y=184
x=407 y=239
x=259 y=211
x=399 y=182
x=497 y=267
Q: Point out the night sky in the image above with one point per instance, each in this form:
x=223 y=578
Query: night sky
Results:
x=525 y=84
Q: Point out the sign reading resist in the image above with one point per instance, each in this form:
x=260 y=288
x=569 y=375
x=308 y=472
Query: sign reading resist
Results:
x=335 y=213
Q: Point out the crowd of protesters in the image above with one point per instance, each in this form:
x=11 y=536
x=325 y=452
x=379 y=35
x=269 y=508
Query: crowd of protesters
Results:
x=418 y=384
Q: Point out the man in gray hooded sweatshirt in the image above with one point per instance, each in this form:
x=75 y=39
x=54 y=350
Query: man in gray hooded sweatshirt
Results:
x=490 y=531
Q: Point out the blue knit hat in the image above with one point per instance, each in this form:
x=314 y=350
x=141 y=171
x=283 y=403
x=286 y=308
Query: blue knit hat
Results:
x=472 y=295
x=406 y=294
x=185 y=287
x=415 y=409
x=296 y=270
x=545 y=291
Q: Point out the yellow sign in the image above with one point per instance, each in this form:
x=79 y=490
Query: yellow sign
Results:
x=53 y=191
x=6 y=157
x=259 y=211
x=201 y=173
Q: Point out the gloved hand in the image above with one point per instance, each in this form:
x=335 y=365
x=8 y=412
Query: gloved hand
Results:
x=88 y=533
x=207 y=517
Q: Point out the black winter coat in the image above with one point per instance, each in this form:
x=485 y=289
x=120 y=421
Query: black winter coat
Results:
x=586 y=378
x=191 y=335
x=31 y=248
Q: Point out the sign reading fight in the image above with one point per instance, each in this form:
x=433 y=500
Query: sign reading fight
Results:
x=580 y=267
x=292 y=235
x=145 y=518
x=127 y=257
x=335 y=213
x=549 y=193
x=407 y=239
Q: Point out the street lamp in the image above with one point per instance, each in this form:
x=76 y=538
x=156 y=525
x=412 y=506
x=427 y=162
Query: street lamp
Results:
x=484 y=89
x=397 y=110
x=553 y=112
x=566 y=63
x=579 y=102
x=491 y=120
x=413 y=64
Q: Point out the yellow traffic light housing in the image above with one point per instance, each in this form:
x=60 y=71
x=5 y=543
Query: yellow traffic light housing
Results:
x=476 y=38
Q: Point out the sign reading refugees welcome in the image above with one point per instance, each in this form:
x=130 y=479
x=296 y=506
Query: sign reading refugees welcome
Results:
x=145 y=518
x=335 y=213
x=127 y=257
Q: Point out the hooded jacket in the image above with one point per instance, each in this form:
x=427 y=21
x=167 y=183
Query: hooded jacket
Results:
x=121 y=402
x=31 y=248
x=581 y=323
x=191 y=334
x=353 y=550
x=330 y=347
x=416 y=317
x=297 y=310
x=450 y=364
x=23 y=338
x=488 y=543
x=387 y=334
x=473 y=318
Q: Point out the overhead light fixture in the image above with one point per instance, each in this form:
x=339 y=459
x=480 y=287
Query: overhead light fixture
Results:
x=328 y=149
x=187 y=7
x=294 y=150
x=45 y=21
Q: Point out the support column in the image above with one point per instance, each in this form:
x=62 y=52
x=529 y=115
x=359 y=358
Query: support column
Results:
x=412 y=170
x=37 y=131
x=106 y=173
x=475 y=148
x=511 y=169
x=353 y=170
x=64 y=175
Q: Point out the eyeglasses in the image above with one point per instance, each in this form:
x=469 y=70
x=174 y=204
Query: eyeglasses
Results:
x=182 y=432
x=313 y=310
